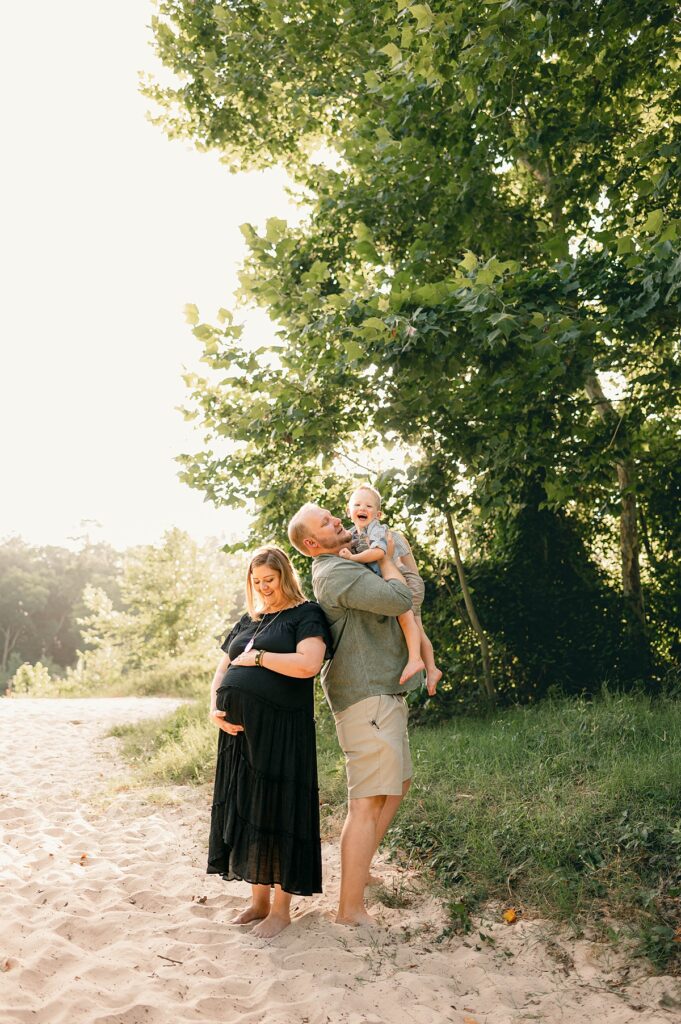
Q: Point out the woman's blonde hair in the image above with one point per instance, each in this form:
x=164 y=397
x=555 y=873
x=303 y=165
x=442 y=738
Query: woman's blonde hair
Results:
x=277 y=559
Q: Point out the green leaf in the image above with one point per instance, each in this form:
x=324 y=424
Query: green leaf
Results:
x=191 y=314
x=423 y=15
x=353 y=350
x=367 y=252
x=318 y=272
x=362 y=233
x=275 y=229
x=392 y=51
x=557 y=246
x=469 y=262
x=373 y=325
x=654 y=222
x=249 y=233
x=625 y=244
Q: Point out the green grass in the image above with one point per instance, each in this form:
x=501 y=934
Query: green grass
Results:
x=571 y=809
x=179 y=748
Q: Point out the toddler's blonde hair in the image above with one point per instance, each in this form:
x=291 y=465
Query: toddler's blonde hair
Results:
x=371 y=490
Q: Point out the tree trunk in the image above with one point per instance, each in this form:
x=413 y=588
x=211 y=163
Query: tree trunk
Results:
x=8 y=645
x=626 y=477
x=472 y=614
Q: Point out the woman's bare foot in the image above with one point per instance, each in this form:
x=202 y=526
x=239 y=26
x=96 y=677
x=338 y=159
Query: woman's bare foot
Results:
x=252 y=912
x=374 y=879
x=359 y=917
x=432 y=679
x=411 y=668
x=272 y=925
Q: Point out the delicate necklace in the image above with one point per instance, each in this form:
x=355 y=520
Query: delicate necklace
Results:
x=261 y=627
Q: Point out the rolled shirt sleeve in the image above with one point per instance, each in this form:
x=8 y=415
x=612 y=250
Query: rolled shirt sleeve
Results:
x=377 y=535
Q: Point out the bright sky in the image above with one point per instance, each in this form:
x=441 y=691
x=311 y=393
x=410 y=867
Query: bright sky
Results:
x=107 y=229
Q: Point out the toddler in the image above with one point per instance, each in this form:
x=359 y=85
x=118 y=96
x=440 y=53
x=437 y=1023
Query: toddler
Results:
x=369 y=546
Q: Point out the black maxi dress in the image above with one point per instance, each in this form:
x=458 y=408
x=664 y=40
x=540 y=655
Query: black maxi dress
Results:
x=265 y=814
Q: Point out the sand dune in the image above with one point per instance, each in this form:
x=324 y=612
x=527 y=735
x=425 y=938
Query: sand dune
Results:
x=108 y=917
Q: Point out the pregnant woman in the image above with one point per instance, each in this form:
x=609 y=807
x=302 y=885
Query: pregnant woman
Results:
x=265 y=815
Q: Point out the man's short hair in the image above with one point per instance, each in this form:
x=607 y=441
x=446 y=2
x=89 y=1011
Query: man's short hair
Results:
x=298 y=530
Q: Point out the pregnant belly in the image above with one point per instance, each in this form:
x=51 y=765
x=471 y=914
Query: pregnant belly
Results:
x=230 y=700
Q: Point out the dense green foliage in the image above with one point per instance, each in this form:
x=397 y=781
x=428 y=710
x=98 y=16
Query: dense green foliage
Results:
x=487 y=280
x=573 y=804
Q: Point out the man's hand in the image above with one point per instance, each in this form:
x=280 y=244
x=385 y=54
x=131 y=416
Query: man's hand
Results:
x=391 y=545
x=219 y=718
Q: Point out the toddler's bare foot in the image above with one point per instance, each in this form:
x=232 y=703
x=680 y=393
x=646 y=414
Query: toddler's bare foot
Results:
x=272 y=925
x=411 y=668
x=432 y=679
x=251 y=913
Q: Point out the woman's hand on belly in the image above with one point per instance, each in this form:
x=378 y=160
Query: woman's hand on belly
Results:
x=246 y=659
x=219 y=718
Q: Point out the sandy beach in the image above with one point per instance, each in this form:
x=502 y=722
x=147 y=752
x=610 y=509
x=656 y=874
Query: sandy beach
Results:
x=108 y=916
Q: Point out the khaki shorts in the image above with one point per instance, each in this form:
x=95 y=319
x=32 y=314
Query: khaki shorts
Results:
x=418 y=590
x=373 y=736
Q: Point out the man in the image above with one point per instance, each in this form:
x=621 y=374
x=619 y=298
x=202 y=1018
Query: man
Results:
x=362 y=687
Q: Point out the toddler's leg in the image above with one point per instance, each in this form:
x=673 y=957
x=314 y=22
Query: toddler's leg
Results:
x=433 y=673
x=412 y=634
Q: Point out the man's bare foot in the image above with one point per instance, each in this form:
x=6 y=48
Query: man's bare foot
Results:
x=251 y=913
x=354 y=918
x=272 y=925
x=374 y=879
x=432 y=679
x=411 y=668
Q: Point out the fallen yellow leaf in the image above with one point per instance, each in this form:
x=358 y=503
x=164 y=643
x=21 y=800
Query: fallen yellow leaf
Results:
x=510 y=916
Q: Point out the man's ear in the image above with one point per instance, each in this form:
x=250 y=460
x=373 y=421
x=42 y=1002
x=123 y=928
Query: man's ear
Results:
x=311 y=544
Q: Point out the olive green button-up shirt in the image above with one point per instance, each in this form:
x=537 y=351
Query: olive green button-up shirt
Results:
x=370 y=651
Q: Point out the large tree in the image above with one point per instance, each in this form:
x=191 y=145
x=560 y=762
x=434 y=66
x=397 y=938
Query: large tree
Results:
x=489 y=275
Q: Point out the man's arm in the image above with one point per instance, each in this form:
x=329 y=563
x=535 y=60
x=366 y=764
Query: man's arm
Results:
x=349 y=585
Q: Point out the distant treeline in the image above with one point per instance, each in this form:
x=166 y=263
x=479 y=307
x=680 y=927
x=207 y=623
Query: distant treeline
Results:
x=89 y=617
x=41 y=599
